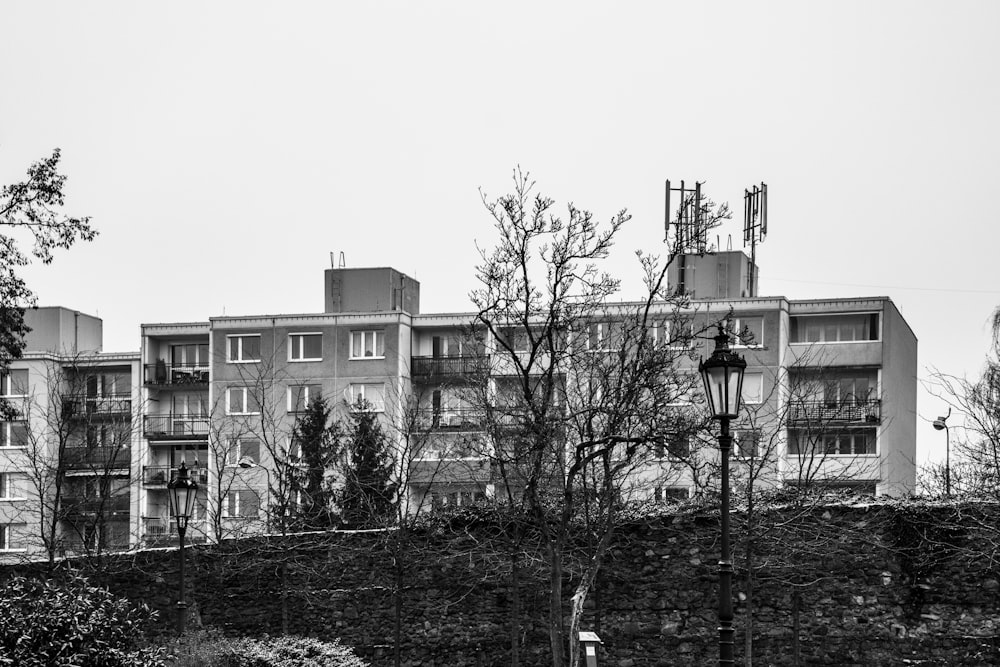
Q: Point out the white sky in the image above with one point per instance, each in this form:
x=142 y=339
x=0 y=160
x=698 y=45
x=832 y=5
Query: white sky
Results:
x=225 y=149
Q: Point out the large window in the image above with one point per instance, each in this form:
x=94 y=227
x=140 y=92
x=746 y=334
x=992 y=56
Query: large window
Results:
x=676 y=446
x=834 y=328
x=859 y=442
x=241 y=504
x=369 y=396
x=367 y=344
x=300 y=395
x=670 y=494
x=747 y=443
x=753 y=388
x=14 y=383
x=243 y=448
x=749 y=331
x=604 y=336
x=13 y=434
x=305 y=347
x=12 y=537
x=190 y=355
x=243 y=348
x=675 y=333
x=12 y=486
x=242 y=401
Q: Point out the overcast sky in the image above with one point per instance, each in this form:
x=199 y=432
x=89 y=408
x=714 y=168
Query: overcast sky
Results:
x=225 y=149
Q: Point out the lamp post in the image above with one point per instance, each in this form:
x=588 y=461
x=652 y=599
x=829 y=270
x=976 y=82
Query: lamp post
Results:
x=722 y=374
x=941 y=424
x=182 y=491
x=246 y=463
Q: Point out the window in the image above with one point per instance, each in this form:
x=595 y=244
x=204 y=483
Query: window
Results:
x=242 y=401
x=242 y=504
x=300 y=395
x=195 y=354
x=746 y=443
x=443 y=499
x=676 y=446
x=604 y=336
x=753 y=388
x=677 y=334
x=13 y=434
x=243 y=449
x=305 y=347
x=11 y=486
x=515 y=338
x=834 y=328
x=847 y=443
x=14 y=383
x=367 y=397
x=749 y=331
x=670 y=494
x=243 y=348
x=367 y=344
x=293 y=451
x=11 y=537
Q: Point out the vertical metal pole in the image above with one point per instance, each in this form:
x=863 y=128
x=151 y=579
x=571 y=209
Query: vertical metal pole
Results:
x=947 y=461
x=726 y=632
x=181 y=603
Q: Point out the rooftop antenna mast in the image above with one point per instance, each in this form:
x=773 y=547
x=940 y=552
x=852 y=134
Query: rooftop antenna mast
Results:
x=754 y=228
x=690 y=232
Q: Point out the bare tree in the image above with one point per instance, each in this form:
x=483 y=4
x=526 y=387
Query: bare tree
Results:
x=579 y=386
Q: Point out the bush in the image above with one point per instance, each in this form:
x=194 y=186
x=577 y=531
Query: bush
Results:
x=71 y=623
x=206 y=649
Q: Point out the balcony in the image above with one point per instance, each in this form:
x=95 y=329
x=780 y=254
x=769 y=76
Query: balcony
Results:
x=74 y=506
x=160 y=531
x=821 y=413
x=175 y=427
x=88 y=407
x=158 y=476
x=458 y=419
x=97 y=458
x=162 y=374
x=439 y=368
x=475 y=471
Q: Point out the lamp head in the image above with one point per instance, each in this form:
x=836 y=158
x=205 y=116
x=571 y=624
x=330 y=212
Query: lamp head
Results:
x=722 y=374
x=939 y=423
x=182 y=491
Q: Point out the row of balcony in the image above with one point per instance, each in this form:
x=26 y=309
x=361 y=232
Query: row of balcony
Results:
x=107 y=405
x=821 y=412
x=162 y=374
x=89 y=505
x=163 y=531
x=155 y=476
x=433 y=367
x=97 y=458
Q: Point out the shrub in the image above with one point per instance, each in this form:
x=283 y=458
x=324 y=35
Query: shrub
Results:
x=71 y=623
x=207 y=649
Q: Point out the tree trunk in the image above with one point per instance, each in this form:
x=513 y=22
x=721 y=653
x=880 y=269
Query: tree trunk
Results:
x=515 y=610
x=796 y=605
x=284 y=597
x=555 y=608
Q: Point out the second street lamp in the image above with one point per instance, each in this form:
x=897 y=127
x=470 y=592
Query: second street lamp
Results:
x=722 y=374
x=182 y=491
x=941 y=424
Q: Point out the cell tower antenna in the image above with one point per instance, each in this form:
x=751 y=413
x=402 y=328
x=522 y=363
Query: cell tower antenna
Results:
x=754 y=228
x=690 y=234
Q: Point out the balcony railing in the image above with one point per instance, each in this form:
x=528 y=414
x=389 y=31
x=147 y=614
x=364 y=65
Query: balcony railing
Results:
x=97 y=458
x=458 y=419
x=174 y=427
x=163 y=531
x=164 y=374
x=109 y=405
x=821 y=412
x=449 y=366
x=77 y=505
x=160 y=475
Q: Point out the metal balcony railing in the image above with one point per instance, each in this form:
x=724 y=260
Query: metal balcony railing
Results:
x=77 y=505
x=97 y=458
x=851 y=411
x=454 y=419
x=108 y=405
x=161 y=530
x=160 y=475
x=174 y=427
x=449 y=366
x=164 y=374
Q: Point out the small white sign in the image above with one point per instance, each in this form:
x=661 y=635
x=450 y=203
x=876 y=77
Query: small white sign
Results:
x=591 y=650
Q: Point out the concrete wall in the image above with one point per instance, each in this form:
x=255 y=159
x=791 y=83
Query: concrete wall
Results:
x=62 y=331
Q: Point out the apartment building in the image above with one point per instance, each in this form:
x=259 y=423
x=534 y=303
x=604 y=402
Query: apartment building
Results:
x=66 y=450
x=830 y=395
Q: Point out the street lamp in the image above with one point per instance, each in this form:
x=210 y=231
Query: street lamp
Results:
x=941 y=424
x=722 y=374
x=246 y=463
x=182 y=491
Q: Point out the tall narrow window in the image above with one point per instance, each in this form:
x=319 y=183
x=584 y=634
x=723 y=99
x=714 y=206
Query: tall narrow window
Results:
x=11 y=535
x=13 y=434
x=14 y=383
x=305 y=347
